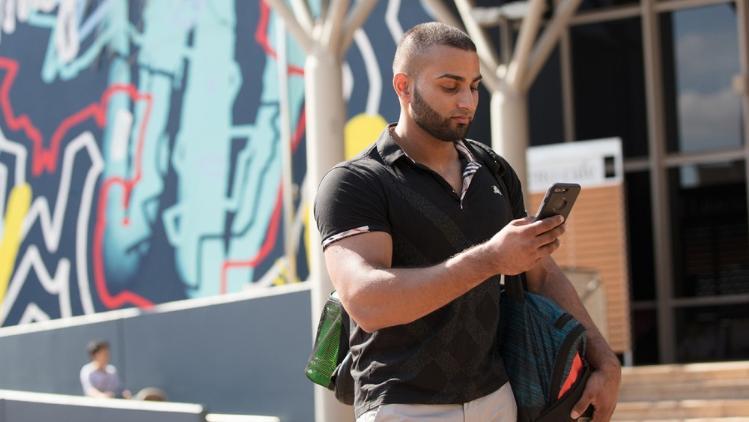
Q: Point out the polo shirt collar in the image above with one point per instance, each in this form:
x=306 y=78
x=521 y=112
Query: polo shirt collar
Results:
x=391 y=152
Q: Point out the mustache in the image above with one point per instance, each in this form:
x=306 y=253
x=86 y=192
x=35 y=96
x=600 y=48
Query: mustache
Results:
x=467 y=116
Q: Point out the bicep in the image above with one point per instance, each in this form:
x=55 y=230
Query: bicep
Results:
x=349 y=260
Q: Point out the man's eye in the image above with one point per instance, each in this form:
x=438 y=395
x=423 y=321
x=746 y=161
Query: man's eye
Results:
x=449 y=89
x=475 y=88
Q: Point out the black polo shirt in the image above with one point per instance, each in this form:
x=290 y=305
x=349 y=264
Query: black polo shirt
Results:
x=449 y=356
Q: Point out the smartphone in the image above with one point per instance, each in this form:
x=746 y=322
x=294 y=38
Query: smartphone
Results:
x=558 y=200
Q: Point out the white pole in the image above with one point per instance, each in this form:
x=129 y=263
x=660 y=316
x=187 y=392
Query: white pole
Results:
x=326 y=112
x=286 y=154
x=509 y=127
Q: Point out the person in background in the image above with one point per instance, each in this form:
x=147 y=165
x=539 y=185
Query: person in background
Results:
x=98 y=377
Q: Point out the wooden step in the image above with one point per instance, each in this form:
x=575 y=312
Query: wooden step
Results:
x=721 y=388
x=670 y=374
x=682 y=409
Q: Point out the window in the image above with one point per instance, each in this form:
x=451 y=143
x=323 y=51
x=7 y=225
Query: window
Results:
x=709 y=229
x=609 y=83
x=645 y=337
x=700 y=59
x=712 y=333
x=640 y=236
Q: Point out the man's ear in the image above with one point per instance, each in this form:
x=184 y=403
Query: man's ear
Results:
x=402 y=85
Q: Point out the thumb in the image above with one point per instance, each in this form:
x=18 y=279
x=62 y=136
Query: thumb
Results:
x=523 y=221
x=582 y=405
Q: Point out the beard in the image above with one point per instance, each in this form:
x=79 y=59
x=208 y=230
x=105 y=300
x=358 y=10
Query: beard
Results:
x=434 y=124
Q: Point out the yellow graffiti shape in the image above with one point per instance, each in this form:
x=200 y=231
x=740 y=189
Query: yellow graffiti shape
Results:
x=361 y=131
x=18 y=206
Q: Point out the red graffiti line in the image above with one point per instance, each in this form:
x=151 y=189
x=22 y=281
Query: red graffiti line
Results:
x=16 y=123
x=124 y=297
x=261 y=36
x=268 y=244
x=47 y=158
x=272 y=234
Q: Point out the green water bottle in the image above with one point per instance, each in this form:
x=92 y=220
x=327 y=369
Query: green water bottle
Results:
x=328 y=350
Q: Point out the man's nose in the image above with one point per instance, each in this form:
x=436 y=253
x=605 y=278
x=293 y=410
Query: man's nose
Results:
x=466 y=100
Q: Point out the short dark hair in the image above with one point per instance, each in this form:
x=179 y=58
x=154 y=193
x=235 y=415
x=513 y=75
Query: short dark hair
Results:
x=419 y=38
x=96 y=346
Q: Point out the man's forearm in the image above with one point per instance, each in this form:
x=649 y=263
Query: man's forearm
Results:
x=385 y=297
x=548 y=280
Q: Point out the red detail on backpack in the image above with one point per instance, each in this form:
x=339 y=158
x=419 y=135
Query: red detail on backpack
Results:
x=577 y=366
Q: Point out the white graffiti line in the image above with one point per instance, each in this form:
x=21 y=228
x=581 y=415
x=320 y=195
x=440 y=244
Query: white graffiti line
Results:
x=57 y=285
x=373 y=71
x=8 y=9
x=20 y=153
x=21 y=10
x=33 y=314
x=66 y=36
x=88 y=26
x=427 y=8
x=51 y=223
x=123 y=125
x=348 y=81
x=391 y=20
x=82 y=226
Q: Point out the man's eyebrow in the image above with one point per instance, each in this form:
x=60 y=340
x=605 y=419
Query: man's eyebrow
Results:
x=458 y=77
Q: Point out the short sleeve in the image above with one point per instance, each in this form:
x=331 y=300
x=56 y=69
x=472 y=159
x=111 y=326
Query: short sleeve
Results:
x=350 y=201
x=86 y=380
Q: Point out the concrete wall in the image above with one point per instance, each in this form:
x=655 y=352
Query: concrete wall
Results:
x=234 y=355
x=31 y=407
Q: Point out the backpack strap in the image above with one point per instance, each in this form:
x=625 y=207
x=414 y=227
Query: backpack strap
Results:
x=496 y=164
x=515 y=285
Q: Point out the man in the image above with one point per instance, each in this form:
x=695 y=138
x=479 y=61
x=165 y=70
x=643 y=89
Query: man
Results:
x=415 y=231
x=98 y=377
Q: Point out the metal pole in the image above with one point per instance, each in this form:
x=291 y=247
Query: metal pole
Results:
x=559 y=23
x=509 y=127
x=742 y=18
x=325 y=120
x=568 y=86
x=658 y=181
x=325 y=115
x=285 y=143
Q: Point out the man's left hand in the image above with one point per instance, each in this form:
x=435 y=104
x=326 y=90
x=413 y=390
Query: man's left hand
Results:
x=601 y=391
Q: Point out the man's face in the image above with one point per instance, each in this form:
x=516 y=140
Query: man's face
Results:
x=445 y=92
x=102 y=357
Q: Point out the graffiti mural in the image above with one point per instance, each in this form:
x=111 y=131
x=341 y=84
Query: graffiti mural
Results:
x=140 y=146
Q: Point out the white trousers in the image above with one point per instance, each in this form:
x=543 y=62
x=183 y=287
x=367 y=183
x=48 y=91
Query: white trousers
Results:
x=498 y=406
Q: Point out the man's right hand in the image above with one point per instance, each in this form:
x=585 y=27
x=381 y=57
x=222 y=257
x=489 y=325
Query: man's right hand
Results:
x=522 y=243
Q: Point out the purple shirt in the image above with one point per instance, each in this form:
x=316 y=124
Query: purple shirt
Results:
x=104 y=380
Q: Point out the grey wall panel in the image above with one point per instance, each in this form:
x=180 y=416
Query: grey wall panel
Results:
x=239 y=357
x=22 y=411
x=50 y=361
x=244 y=357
